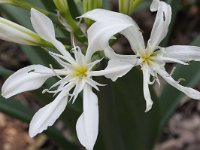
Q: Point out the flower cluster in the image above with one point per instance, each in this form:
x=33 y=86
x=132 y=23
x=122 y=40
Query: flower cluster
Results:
x=78 y=69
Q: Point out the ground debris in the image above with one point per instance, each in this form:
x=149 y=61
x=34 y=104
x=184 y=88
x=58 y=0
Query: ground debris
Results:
x=183 y=129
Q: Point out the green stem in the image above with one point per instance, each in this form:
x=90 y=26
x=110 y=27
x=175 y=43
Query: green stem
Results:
x=66 y=14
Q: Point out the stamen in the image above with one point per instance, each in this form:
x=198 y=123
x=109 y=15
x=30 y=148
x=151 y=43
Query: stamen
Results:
x=55 y=72
x=44 y=91
x=180 y=80
x=173 y=69
x=59 y=60
x=153 y=81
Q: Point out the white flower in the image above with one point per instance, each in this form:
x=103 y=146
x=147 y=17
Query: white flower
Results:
x=75 y=76
x=152 y=58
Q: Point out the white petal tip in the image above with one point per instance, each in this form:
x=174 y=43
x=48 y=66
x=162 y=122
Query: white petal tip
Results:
x=149 y=106
x=154 y=5
x=194 y=94
x=5 y=94
x=32 y=134
x=33 y=10
x=35 y=131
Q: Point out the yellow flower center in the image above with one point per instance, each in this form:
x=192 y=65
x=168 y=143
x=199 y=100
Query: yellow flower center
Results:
x=147 y=58
x=80 y=71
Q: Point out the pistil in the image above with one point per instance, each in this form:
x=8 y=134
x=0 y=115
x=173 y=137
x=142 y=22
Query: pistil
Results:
x=80 y=71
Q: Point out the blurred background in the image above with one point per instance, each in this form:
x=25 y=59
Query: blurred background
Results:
x=182 y=130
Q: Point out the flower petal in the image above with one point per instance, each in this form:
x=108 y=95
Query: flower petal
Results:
x=118 y=65
x=102 y=15
x=154 y=5
x=88 y=123
x=61 y=48
x=78 y=88
x=161 y=25
x=170 y=60
x=146 y=81
x=116 y=68
x=109 y=23
x=194 y=94
x=99 y=35
x=132 y=59
x=26 y=79
x=135 y=38
x=47 y=115
x=79 y=57
x=183 y=53
x=42 y=25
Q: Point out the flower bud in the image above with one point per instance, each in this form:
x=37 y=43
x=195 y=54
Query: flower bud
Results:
x=10 y=31
x=61 y=5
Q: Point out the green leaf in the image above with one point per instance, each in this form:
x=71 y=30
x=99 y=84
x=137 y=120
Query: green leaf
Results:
x=123 y=122
x=170 y=97
x=5 y=72
x=15 y=109
x=48 y=5
x=176 y=7
x=73 y=9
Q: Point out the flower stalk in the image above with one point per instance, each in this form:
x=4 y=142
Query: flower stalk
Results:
x=128 y=6
x=63 y=8
x=90 y=5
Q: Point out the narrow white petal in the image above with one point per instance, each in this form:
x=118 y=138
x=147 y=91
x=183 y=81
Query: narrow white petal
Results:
x=93 y=83
x=79 y=57
x=42 y=25
x=61 y=48
x=131 y=59
x=183 y=53
x=154 y=5
x=187 y=90
x=13 y=32
x=116 y=68
x=109 y=23
x=170 y=60
x=161 y=25
x=92 y=64
x=88 y=123
x=146 y=81
x=100 y=33
x=102 y=15
x=78 y=88
x=135 y=38
x=26 y=79
x=47 y=115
